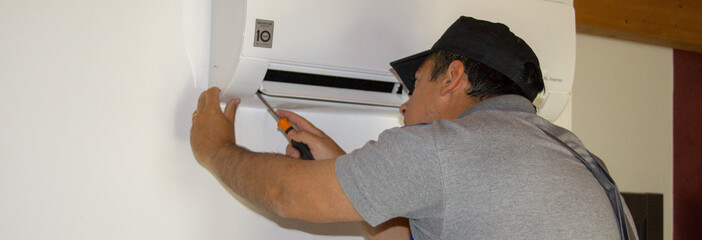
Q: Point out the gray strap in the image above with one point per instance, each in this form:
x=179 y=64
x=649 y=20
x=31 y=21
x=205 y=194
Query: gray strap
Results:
x=599 y=171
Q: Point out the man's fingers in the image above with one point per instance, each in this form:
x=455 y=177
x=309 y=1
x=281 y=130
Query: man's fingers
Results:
x=230 y=110
x=305 y=137
x=291 y=151
x=322 y=147
x=300 y=122
x=212 y=99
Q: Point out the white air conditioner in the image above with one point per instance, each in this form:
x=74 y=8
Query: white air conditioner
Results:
x=340 y=50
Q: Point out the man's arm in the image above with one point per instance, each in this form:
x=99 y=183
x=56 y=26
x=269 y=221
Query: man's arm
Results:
x=291 y=188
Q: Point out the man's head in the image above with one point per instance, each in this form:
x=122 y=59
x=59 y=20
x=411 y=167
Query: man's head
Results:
x=446 y=84
x=477 y=58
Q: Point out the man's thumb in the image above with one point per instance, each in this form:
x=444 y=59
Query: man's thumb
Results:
x=230 y=109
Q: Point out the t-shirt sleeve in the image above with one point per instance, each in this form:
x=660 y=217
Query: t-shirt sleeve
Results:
x=397 y=176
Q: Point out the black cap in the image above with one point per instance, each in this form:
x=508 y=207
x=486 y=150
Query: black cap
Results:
x=492 y=44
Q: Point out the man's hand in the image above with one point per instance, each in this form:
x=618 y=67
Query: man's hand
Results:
x=321 y=145
x=212 y=130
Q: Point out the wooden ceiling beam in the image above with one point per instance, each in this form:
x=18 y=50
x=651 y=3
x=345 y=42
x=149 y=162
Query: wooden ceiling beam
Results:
x=671 y=23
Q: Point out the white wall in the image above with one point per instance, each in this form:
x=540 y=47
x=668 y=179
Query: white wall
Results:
x=623 y=112
x=95 y=106
x=96 y=103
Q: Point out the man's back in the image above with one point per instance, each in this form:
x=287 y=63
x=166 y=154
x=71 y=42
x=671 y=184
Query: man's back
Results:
x=508 y=180
x=489 y=174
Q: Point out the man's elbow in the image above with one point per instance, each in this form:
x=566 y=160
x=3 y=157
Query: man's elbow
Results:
x=312 y=194
x=290 y=205
x=279 y=203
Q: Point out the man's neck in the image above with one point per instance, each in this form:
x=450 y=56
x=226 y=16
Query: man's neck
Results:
x=461 y=106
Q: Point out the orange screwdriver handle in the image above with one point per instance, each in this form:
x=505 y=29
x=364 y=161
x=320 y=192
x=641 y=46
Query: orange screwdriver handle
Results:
x=286 y=127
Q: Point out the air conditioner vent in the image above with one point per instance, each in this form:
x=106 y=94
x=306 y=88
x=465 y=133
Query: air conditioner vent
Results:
x=332 y=81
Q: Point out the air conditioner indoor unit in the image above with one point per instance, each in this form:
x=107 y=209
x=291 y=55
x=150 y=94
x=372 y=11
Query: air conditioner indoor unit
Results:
x=340 y=51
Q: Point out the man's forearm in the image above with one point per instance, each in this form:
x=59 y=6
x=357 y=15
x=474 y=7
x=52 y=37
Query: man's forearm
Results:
x=262 y=179
x=254 y=176
x=291 y=188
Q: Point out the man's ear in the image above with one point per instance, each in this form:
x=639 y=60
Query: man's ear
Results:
x=455 y=80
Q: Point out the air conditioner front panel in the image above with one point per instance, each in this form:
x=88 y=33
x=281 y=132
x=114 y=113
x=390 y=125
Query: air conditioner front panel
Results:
x=353 y=38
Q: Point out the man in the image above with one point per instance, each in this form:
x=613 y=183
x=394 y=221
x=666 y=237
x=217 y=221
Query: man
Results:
x=471 y=162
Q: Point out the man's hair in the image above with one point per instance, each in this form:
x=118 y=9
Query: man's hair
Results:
x=485 y=81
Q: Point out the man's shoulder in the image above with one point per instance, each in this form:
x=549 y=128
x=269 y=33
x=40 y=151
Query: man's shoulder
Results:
x=487 y=122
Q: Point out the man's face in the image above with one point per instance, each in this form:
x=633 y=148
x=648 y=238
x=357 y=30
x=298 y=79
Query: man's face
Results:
x=420 y=108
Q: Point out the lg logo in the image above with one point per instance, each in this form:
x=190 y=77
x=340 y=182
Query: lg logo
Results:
x=264 y=33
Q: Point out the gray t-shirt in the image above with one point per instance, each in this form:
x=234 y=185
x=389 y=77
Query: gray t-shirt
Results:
x=489 y=174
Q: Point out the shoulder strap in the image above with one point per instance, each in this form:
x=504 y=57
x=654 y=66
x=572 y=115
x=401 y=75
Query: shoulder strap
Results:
x=599 y=171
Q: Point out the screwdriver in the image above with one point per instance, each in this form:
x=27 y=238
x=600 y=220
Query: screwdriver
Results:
x=286 y=127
